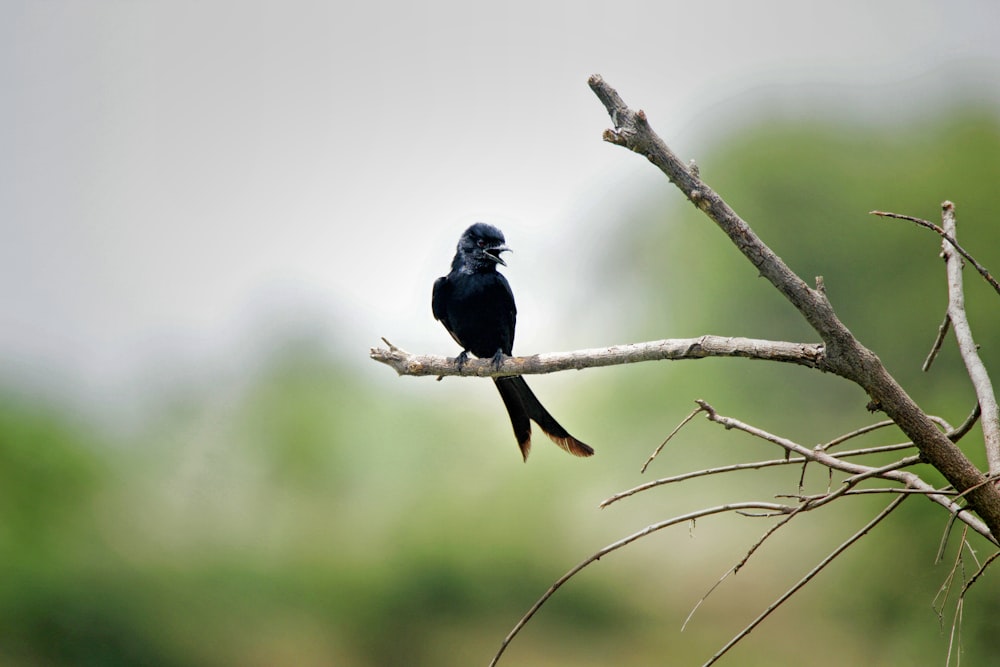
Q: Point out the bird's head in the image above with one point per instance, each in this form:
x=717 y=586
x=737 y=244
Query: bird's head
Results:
x=480 y=247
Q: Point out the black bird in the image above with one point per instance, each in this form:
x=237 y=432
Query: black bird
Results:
x=475 y=304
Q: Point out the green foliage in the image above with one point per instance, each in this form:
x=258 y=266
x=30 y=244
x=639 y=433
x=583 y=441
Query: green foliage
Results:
x=49 y=477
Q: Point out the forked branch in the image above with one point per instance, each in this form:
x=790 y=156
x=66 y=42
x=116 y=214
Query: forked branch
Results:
x=845 y=355
x=841 y=354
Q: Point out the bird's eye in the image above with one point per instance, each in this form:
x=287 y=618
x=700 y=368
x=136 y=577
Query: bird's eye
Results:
x=481 y=243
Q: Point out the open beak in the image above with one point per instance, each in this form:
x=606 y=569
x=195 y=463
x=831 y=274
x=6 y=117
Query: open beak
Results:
x=494 y=254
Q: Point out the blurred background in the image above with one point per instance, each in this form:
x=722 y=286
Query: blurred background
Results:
x=210 y=212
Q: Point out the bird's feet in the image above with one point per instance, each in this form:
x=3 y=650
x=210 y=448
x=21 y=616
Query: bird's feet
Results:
x=497 y=360
x=461 y=359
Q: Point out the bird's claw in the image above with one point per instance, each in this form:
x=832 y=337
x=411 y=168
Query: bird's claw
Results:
x=461 y=359
x=497 y=360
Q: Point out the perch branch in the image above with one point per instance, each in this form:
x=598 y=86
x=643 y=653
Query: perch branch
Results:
x=844 y=354
x=803 y=354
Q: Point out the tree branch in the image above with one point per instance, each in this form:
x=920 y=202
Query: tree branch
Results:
x=817 y=455
x=840 y=353
x=632 y=131
x=796 y=453
x=845 y=355
x=803 y=354
x=990 y=417
x=771 y=508
x=949 y=237
x=805 y=579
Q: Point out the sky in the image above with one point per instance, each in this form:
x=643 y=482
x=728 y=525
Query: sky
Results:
x=182 y=182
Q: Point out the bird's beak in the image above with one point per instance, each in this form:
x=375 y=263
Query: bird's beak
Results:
x=494 y=254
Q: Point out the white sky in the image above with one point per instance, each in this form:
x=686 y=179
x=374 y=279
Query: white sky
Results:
x=177 y=178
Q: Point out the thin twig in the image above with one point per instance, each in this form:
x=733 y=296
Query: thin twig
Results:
x=955 y=624
x=668 y=438
x=944 y=234
x=753 y=465
x=907 y=478
x=875 y=450
x=960 y=608
x=967 y=425
x=614 y=546
x=945 y=536
x=697 y=605
x=895 y=489
x=880 y=471
x=988 y=480
x=972 y=551
x=982 y=568
x=858 y=432
x=938 y=342
x=941 y=598
x=743 y=561
x=945 y=426
x=817 y=455
x=806 y=579
x=940 y=601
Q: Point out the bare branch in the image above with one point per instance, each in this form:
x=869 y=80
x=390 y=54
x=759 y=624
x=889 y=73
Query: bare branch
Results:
x=967 y=346
x=967 y=425
x=893 y=489
x=941 y=598
x=775 y=508
x=845 y=355
x=938 y=342
x=805 y=580
x=856 y=433
x=875 y=450
x=632 y=131
x=858 y=472
x=908 y=479
x=975 y=577
x=754 y=465
x=817 y=455
x=667 y=439
x=949 y=237
x=743 y=561
x=675 y=349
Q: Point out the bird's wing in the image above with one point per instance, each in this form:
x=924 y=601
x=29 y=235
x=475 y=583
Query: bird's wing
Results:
x=439 y=305
x=439 y=298
x=509 y=322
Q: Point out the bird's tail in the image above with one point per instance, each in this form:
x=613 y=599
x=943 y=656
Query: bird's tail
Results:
x=523 y=406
